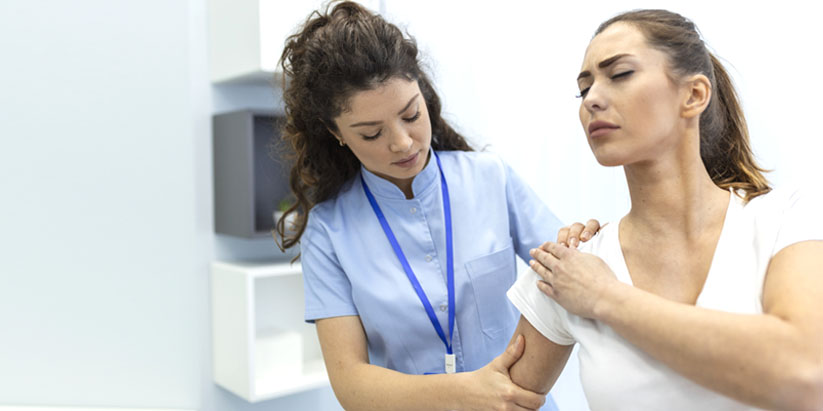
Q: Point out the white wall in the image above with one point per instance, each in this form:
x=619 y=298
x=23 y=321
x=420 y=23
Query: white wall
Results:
x=103 y=231
x=105 y=174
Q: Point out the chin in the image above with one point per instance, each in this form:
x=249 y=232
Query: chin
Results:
x=608 y=159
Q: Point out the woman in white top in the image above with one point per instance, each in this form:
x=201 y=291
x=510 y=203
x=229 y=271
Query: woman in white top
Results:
x=708 y=294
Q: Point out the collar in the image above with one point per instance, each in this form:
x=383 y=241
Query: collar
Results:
x=422 y=182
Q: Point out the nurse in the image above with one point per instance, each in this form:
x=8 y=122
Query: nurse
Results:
x=408 y=238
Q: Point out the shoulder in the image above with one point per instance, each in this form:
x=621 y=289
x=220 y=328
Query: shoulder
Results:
x=329 y=214
x=475 y=159
x=786 y=216
x=781 y=206
x=487 y=169
x=775 y=201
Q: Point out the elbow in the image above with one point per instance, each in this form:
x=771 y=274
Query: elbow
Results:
x=813 y=388
x=806 y=389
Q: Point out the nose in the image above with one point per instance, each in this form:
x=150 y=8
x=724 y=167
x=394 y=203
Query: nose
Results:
x=400 y=141
x=594 y=99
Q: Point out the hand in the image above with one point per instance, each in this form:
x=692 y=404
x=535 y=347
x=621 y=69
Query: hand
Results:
x=577 y=281
x=572 y=235
x=491 y=387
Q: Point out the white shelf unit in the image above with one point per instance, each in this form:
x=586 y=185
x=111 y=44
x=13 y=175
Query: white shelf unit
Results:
x=262 y=348
x=246 y=37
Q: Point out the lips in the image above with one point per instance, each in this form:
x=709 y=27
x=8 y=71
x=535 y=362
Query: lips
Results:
x=600 y=128
x=408 y=161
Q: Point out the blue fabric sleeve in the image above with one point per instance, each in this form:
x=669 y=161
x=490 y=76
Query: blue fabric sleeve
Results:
x=327 y=289
x=531 y=221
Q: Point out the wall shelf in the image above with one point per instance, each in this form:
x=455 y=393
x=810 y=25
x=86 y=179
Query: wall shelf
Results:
x=262 y=348
x=250 y=179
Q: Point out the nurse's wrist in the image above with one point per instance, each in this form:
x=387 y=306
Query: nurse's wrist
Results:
x=459 y=384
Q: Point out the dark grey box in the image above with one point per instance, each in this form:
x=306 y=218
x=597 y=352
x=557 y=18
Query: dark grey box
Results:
x=250 y=179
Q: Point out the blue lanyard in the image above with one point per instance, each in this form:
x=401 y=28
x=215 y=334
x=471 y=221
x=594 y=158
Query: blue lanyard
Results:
x=405 y=263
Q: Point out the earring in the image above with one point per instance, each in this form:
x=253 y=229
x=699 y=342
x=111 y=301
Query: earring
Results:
x=341 y=143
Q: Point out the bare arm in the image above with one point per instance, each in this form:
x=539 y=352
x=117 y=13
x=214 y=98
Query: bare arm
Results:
x=541 y=362
x=773 y=360
x=359 y=385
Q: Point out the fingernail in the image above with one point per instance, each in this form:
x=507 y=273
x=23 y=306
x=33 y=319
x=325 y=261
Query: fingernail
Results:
x=531 y=252
x=585 y=235
x=575 y=242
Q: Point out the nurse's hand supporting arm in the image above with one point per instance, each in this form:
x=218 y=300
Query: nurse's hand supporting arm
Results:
x=359 y=385
x=541 y=362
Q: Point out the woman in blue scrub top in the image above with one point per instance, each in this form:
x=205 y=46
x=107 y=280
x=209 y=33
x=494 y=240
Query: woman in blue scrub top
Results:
x=408 y=238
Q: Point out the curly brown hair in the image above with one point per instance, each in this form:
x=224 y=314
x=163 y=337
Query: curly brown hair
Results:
x=724 y=136
x=338 y=52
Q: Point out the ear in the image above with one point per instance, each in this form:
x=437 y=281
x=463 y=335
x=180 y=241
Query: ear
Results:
x=698 y=95
x=336 y=136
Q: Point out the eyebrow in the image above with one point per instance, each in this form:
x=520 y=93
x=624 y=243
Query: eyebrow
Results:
x=374 y=123
x=603 y=64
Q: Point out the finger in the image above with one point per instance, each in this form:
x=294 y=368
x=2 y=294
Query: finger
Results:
x=563 y=235
x=574 y=234
x=541 y=270
x=512 y=353
x=558 y=251
x=592 y=227
x=546 y=258
x=527 y=399
x=546 y=288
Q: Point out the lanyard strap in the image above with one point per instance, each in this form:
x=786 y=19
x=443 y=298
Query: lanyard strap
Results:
x=405 y=263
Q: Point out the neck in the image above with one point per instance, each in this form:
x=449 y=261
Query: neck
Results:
x=674 y=194
x=405 y=184
x=406 y=187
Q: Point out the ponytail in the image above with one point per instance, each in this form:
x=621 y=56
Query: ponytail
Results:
x=724 y=140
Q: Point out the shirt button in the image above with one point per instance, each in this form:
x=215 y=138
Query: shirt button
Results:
x=428 y=258
x=444 y=307
x=413 y=210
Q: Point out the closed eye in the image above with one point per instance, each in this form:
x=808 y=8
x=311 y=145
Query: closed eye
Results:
x=618 y=76
x=372 y=137
x=622 y=75
x=413 y=118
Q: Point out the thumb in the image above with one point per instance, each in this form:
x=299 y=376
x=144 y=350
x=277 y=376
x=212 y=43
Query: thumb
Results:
x=512 y=353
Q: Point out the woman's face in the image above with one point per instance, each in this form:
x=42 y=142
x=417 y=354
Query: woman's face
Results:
x=630 y=109
x=388 y=129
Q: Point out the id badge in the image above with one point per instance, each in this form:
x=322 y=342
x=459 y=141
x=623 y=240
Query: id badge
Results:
x=450 y=364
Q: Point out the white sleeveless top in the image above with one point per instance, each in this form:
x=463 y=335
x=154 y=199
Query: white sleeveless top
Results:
x=615 y=374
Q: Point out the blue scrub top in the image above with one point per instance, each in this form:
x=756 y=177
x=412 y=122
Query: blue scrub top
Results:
x=349 y=267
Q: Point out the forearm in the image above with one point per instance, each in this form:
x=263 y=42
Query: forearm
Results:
x=369 y=387
x=542 y=360
x=758 y=359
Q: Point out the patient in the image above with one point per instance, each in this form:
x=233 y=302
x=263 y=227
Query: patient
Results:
x=708 y=294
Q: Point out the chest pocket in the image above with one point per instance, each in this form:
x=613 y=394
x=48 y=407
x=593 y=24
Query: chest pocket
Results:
x=491 y=276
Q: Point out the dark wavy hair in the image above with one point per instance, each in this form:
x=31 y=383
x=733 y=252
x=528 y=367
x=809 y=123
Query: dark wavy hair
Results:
x=338 y=52
x=724 y=136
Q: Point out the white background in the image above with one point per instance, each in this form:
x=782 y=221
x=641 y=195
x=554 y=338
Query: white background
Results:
x=105 y=172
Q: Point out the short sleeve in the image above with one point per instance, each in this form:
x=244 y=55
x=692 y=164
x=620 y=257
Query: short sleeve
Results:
x=327 y=289
x=802 y=220
x=544 y=314
x=531 y=221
